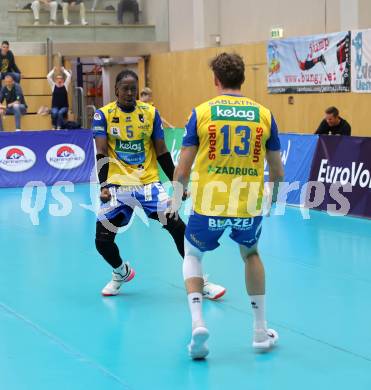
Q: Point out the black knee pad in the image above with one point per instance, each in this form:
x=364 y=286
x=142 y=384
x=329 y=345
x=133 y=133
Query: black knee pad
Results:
x=176 y=226
x=105 y=245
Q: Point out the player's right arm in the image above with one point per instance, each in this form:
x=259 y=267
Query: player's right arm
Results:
x=99 y=127
x=187 y=157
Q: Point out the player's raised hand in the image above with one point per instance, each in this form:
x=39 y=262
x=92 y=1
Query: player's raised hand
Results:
x=105 y=195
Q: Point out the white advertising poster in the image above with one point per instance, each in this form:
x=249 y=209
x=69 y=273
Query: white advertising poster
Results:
x=310 y=64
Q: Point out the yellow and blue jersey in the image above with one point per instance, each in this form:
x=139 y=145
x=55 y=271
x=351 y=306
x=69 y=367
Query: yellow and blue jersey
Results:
x=233 y=134
x=130 y=137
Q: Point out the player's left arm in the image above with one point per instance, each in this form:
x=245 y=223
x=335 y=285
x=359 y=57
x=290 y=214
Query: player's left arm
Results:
x=162 y=153
x=273 y=157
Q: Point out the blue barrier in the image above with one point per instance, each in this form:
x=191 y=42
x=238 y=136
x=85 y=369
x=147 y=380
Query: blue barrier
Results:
x=297 y=151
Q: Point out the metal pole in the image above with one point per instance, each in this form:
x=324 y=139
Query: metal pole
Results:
x=49 y=52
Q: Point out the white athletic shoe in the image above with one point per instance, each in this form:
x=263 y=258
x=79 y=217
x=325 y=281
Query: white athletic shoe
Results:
x=67 y=23
x=36 y=23
x=84 y=22
x=52 y=23
x=197 y=348
x=112 y=288
x=264 y=339
x=212 y=291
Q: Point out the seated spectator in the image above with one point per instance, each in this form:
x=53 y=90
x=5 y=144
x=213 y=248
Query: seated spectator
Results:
x=15 y=102
x=59 y=88
x=71 y=3
x=50 y=5
x=127 y=6
x=333 y=123
x=7 y=63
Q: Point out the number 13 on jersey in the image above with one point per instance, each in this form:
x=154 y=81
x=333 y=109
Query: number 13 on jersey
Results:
x=236 y=140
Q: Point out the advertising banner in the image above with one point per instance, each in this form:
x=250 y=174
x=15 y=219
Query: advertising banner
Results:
x=297 y=151
x=345 y=161
x=318 y=63
x=361 y=61
x=46 y=156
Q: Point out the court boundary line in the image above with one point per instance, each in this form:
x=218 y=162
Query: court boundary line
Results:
x=63 y=346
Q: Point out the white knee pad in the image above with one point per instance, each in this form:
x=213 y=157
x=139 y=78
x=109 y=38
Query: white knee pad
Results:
x=192 y=266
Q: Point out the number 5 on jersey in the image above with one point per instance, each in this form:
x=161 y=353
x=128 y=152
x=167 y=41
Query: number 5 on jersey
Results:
x=129 y=131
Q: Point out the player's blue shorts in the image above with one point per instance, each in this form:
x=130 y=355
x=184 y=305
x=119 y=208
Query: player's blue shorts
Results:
x=151 y=198
x=204 y=232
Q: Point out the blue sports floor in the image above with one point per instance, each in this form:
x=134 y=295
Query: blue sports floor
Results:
x=58 y=333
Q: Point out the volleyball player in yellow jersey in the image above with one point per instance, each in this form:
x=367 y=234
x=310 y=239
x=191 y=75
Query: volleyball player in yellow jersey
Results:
x=229 y=136
x=130 y=136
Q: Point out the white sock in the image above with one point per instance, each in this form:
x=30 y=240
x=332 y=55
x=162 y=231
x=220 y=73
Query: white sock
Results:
x=195 y=306
x=122 y=270
x=258 y=308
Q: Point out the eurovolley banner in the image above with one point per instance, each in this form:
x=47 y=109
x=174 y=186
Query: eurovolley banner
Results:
x=46 y=156
x=317 y=63
x=361 y=61
x=343 y=161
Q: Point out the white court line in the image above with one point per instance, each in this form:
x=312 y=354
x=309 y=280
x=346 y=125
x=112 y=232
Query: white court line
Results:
x=62 y=345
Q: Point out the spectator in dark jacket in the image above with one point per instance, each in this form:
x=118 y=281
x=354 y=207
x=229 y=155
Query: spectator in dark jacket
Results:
x=334 y=124
x=15 y=102
x=7 y=63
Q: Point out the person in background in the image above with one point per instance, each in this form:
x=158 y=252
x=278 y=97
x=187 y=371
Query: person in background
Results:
x=49 y=5
x=127 y=6
x=71 y=3
x=146 y=97
x=15 y=102
x=334 y=124
x=59 y=88
x=7 y=63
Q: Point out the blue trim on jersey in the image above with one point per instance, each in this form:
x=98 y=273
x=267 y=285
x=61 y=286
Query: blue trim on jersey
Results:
x=273 y=143
x=191 y=137
x=99 y=124
x=100 y=134
x=158 y=129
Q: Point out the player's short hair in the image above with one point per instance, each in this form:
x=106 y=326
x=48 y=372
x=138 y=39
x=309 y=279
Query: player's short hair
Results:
x=146 y=91
x=126 y=73
x=332 y=111
x=9 y=76
x=229 y=69
x=5 y=43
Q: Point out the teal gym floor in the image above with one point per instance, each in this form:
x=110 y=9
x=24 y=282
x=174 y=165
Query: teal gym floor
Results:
x=58 y=333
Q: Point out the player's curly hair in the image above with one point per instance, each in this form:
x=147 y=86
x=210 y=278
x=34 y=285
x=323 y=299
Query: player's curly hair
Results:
x=124 y=74
x=229 y=69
